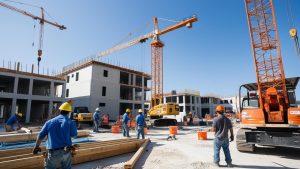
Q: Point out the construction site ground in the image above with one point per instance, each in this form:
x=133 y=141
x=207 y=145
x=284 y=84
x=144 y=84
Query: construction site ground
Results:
x=187 y=152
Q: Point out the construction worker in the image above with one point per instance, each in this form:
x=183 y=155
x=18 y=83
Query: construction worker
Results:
x=191 y=118
x=221 y=125
x=96 y=119
x=124 y=122
x=140 y=124
x=59 y=131
x=14 y=119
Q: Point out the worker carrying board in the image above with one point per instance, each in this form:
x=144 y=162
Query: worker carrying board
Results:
x=14 y=119
x=59 y=131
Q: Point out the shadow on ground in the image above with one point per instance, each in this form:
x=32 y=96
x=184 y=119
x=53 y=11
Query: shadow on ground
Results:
x=283 y=152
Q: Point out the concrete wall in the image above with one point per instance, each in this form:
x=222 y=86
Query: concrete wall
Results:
x=112 y=84
x=82 y=87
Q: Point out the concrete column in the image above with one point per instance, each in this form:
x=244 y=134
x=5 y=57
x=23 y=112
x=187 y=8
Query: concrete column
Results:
x=143 y=91
x=13 y=106
x=28 y=110
x=63 y=90
x=52 y=89
x=16 y=85
x=184 y=104
x=177 y=99
x=133 y=93
x=30 y=86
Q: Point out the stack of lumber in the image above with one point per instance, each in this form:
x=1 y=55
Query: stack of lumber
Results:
x=23 y=158
x=10 y=138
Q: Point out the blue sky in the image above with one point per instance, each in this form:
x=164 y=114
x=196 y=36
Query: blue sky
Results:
x=213 y=57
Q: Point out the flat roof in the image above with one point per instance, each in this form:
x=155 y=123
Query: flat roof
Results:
x=290 y=83
x=31 y=74
x=93 y=62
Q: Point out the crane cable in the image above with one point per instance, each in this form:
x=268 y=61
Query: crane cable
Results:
x=293 y=30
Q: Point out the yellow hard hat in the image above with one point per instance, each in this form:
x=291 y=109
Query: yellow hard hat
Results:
x=66 y=107
x=140 y=111
x=128 y=110
x=19 y=114
x=220 y=108
x=293 y=32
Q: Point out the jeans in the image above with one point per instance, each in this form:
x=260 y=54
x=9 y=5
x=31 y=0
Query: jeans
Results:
x=140 y=131
x=58 y=159
x=224 y=144
x=96 y=126
x=125 y=130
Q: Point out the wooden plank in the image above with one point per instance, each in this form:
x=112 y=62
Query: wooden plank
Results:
x=130 y=164
x=18 y=151
x=92 y=151
x=9 y=138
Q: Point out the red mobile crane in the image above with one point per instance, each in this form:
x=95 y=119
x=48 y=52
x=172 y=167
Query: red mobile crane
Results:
x=267 y=113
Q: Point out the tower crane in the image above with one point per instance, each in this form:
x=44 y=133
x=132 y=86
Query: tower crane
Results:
x=268 y=113
x=158 y=109
x=41 y=20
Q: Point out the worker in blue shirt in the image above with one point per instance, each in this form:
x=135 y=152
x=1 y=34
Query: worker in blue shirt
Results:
x=59 y=131
x=96 y=119
x=124 y=122
x=140 y=123
x=14 y=119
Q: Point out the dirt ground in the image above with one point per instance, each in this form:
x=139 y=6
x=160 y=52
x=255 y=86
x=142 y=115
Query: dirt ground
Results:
x=187 y=152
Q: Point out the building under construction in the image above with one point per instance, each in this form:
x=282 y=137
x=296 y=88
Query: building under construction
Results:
x=36 y=96
x=112 y=88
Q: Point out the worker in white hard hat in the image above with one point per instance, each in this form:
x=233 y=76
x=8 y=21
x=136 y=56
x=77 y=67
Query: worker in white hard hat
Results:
x=14 y=119
x=96 y=119
x=59 y=131
x=140 y=124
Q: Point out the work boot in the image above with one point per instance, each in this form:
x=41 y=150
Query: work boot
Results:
x=230 y=165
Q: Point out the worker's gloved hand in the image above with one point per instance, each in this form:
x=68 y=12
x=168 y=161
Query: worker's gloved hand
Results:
x=36 y=150
x=231 y=138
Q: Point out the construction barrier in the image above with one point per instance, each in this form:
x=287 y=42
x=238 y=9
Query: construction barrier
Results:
x=115 y=129
x=145 y=131
x=202 y=135
x=173 y=130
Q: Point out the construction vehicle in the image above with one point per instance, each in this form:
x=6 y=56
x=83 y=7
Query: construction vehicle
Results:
x=42 y=22
x=82 y=115
x=268 y=113
x=158 y=109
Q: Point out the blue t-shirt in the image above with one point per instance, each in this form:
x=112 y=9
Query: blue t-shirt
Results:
x=96 y=116
x=125 y=118
x=12 y=120
x=140 y=120
x=60 y=129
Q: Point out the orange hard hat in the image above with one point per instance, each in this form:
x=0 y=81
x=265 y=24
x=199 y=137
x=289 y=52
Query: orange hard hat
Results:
x=220 y=108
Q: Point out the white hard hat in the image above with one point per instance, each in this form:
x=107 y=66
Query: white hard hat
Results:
x=140 y=111
x=97 y=109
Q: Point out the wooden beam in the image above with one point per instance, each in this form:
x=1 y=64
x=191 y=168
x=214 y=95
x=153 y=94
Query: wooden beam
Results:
x=87 y=152
x=10 y=138
x=130 y=164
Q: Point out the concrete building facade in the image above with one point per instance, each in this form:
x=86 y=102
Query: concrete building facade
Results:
x=209 y=104
x=35 y=96
x=112 y=88
x=188 y=100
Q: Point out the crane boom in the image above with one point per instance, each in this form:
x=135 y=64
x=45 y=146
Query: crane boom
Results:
x=143 y=38
x=31 y=15
x=267 y=58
